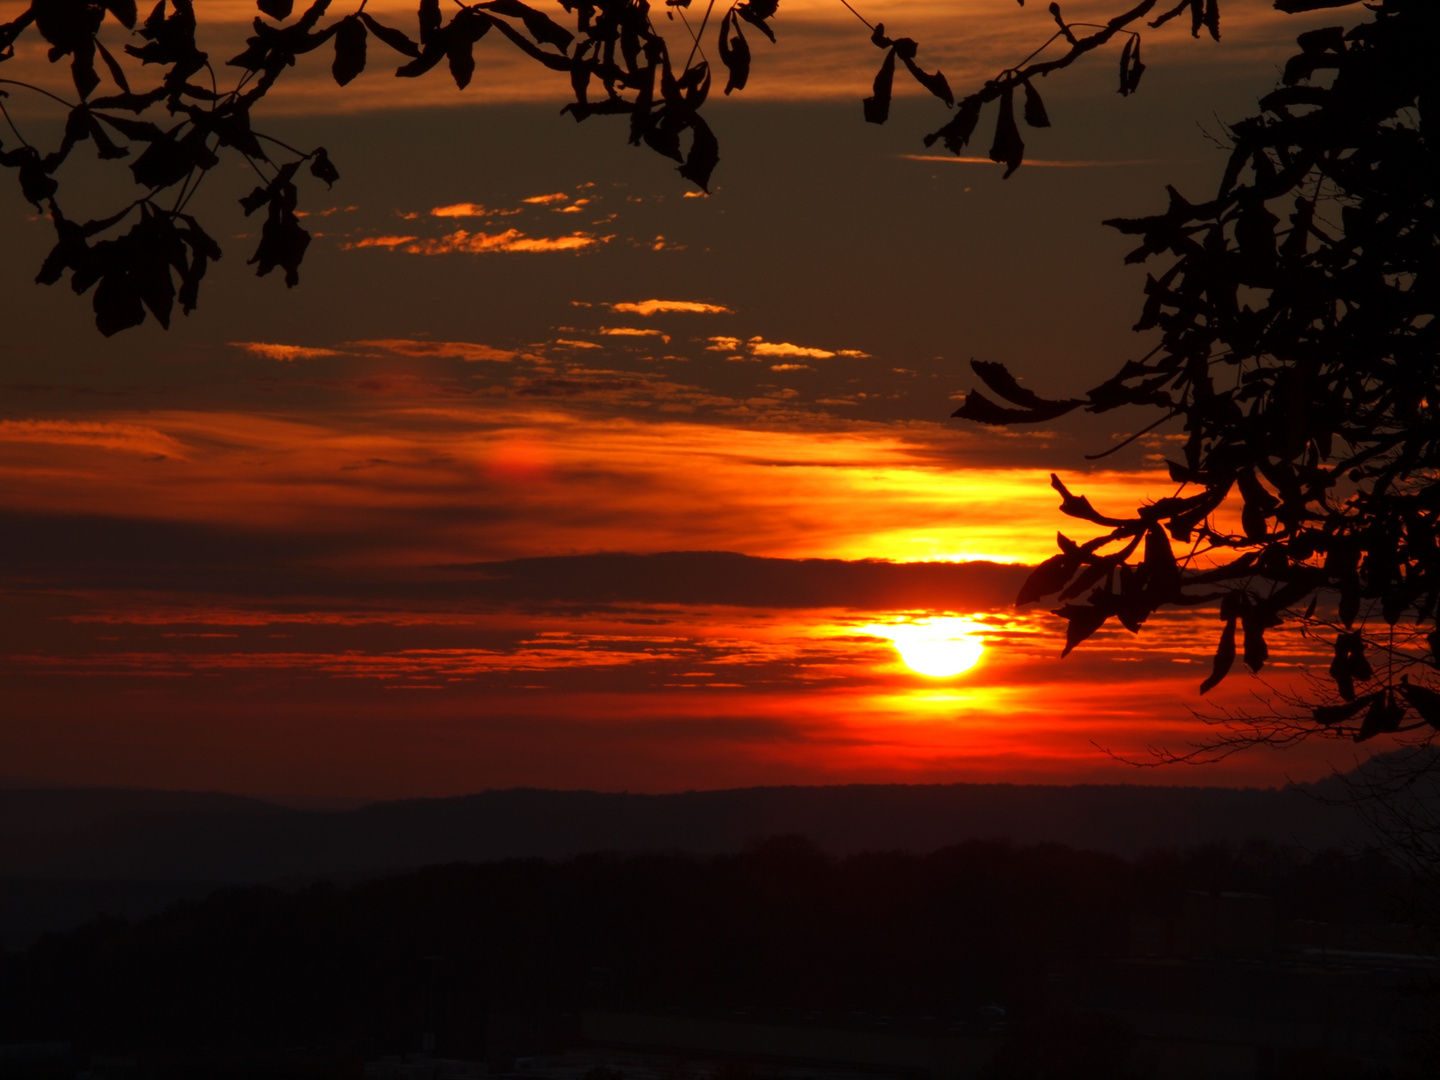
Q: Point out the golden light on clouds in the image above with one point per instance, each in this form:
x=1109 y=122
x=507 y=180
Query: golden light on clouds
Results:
x=463 y=242
x=615 y=483
x=651 y=307
x=460 y=210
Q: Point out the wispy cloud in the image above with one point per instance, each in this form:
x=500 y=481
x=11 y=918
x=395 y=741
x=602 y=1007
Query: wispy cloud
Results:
x=274 y=351
x=511 y=240
x=784 y=348
x=633 y=331
x=545 y=200
x=459 y=350
x=378 y=241
x=460 y=210
x=650 y=307
x=102 y=435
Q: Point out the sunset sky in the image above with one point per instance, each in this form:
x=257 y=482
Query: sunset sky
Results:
x=450 y=515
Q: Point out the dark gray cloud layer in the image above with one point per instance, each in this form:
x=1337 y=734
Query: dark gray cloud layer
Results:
x=104 y=554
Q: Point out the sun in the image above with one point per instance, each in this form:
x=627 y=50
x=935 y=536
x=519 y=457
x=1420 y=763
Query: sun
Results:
x=939 y=648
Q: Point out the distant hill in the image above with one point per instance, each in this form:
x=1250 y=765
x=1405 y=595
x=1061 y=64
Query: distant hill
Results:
x=67 y=854
x=119 y=835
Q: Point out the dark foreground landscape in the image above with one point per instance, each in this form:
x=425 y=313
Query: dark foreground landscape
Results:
x=727 y=956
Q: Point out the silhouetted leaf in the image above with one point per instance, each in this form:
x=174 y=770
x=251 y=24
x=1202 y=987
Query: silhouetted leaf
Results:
x=1035 y=114
x=1383 y=716
x=432 y=53
x=1224 y=657
x=1211 y=18
x=703 y=157
x=349 y=50
x=1423 y=700
x=430 y=20
x=936 y=83
x=877 y=105
x=117 y=73
x=956 y=134
x=1082 y=620
x=1049 y=577
x=734 y=54
x=464 y=30
x=276 y=9
x=540 y=26
x=1007 y=147
x=104 y=146
x=172 y=158
x=396 y=39
x=1162 y=573
x=1340 y=667
x=982 y=410
x=282 y=240
x=998 y=378
x=1330 y=715
x=756 y=12
x=322 y=169
x=203 y=251
x=1256 y=651
x=36 y=184
x=1125 y=54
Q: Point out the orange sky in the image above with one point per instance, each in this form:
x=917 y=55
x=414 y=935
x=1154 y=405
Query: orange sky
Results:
x=290 y=547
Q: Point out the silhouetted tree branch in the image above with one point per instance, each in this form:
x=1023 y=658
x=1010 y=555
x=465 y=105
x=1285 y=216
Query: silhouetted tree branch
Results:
x=619 y=63
x=1298 y=347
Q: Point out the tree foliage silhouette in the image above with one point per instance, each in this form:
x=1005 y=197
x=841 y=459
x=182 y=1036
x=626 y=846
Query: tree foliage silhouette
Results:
x=151 y=253
x=1298 y=347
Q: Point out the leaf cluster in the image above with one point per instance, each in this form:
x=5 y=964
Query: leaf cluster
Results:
x=1296 y=319
x=618 y=62
x=173 y=133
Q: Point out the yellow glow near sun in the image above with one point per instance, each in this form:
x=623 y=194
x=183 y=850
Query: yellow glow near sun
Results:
x=939 y=648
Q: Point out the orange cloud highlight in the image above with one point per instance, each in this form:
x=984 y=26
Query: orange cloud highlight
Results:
x=650 y=307
x=460 y=210
x=459 y=350
x=463 y=242
x=101 y=435
x=784 y=348
x=285 y=353
x=377 y=241
x=633 y=331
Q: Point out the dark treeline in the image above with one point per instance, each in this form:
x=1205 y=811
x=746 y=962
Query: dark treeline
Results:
x=778 y=927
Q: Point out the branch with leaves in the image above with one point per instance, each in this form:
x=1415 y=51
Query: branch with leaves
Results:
x=152 y=253
x=1297 y=321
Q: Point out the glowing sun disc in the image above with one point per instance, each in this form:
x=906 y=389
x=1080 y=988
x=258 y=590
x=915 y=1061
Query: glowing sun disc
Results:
x=940 y=648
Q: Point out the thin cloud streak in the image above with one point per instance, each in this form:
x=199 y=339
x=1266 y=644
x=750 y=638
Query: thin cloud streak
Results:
x=283 y=353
